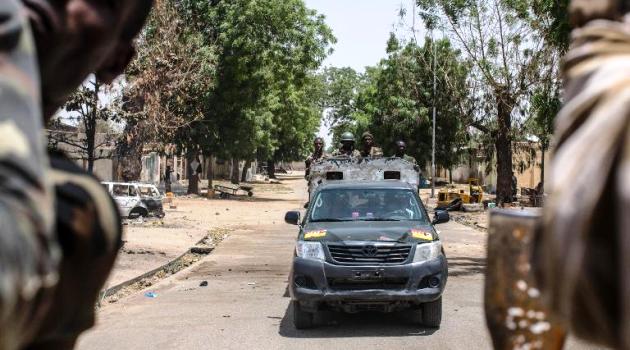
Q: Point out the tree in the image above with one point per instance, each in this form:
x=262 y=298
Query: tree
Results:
x=546 y=100
x=393 y=99
x=168 y=86
x=405 y=98
x=268 y=51
x=84 y=110
x=506 y=52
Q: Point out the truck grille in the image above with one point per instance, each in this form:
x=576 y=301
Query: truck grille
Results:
x=369 y=253
x=342 y=284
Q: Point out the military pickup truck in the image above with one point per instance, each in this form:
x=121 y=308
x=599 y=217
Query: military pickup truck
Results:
x=366 y=243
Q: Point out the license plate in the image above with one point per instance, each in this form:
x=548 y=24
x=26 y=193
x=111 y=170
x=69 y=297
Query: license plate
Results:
x=368 y=274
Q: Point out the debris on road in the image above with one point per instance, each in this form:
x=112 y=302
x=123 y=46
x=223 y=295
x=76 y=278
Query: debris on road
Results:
x=150 y=295
x=203 y=284
x=149 y=279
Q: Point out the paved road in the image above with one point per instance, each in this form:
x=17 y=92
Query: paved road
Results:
x=245 y=305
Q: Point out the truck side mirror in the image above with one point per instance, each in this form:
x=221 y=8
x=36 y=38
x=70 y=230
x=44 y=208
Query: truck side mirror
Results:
x=441 y=217
x=292 y=218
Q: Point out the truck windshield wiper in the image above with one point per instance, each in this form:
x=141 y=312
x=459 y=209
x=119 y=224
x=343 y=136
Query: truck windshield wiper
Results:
x=331 y=220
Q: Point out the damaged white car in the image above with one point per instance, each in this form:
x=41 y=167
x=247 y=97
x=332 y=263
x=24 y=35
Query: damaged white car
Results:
x=136 y=199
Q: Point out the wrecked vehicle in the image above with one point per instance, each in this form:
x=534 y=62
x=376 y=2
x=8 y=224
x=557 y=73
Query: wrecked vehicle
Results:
x=136 y=199
x=366 y=243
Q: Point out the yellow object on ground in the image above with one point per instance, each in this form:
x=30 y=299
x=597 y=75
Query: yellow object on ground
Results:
x=452 y=192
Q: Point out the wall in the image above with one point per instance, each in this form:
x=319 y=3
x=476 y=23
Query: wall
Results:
x=527 y=173
x=151 y=168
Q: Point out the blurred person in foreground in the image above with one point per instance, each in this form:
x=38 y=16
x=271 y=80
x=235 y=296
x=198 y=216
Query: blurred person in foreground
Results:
x=569 y=272
x=584 y=248
x=60 y=229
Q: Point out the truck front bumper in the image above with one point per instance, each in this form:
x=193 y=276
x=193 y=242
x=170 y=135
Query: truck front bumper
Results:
x=317 y=283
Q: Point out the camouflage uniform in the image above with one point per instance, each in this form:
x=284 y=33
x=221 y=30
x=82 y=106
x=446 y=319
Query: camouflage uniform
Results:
x=410 y=159
x=313 y=158
x=28 y=254
x=341 y=153
x=375 y=152
x=89 y=231
x=47 y=296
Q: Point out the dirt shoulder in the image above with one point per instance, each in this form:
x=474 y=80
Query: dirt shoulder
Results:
x=153 y=243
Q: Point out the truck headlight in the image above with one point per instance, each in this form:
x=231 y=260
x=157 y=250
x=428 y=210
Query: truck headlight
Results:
x=427 y=251
x=310 y=250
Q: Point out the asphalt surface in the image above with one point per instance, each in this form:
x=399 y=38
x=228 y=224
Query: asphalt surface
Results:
x=245 y=304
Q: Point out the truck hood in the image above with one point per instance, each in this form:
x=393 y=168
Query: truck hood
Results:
x=381 y=231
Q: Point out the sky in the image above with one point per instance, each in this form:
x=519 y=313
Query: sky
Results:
x=362 y=28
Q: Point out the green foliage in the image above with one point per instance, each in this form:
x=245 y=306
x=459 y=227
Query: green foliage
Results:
x=405 y=99
x=269 y=51
x=394 y=100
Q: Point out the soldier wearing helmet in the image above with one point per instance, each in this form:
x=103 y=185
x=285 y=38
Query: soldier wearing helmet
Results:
x=347 y=147
x=369 y=149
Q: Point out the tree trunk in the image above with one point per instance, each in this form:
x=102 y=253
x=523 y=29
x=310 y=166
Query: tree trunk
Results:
x=130 y=147
x=503 y=146
x=193 y=176
x=235 y=172
x=210 y=171
x=129 y=152
x=248 y=164
x=542 y=164
x=271 y=169
x=89 y=122
x=450 y=175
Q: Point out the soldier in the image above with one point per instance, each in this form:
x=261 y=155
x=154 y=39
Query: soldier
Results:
x=347 y=147
x=47 y=298
x=369 y=149
x=318 y=153
x=401 y=152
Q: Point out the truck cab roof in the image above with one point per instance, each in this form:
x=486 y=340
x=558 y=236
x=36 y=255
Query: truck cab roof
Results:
x=351 y=185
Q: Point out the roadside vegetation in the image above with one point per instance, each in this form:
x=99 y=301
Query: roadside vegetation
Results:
x=243 y=80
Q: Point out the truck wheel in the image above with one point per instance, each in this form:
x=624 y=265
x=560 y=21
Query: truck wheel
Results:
x=301 y=318
x=432 y=314
x=138 y=212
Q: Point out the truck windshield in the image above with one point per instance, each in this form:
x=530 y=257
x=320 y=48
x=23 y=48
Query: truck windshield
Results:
x=366 y=205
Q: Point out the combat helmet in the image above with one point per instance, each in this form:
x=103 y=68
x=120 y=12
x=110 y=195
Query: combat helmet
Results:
x=347 y=137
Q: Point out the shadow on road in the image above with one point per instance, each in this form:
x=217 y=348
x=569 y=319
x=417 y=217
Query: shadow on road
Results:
x=255 y=199
x=342 y=325
x=461 y=266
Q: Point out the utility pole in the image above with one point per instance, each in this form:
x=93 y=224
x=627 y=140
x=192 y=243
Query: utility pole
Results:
x=434 y=113
x=434 y=68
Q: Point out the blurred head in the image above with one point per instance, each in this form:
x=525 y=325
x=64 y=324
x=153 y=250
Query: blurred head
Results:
x=75 y=38
x=401 y=148
x=318 y=144
x=368 y=139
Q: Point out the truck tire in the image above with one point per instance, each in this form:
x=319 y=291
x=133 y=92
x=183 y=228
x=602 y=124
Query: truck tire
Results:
x=301 y=318
x=138 y=212
x=432 y=314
